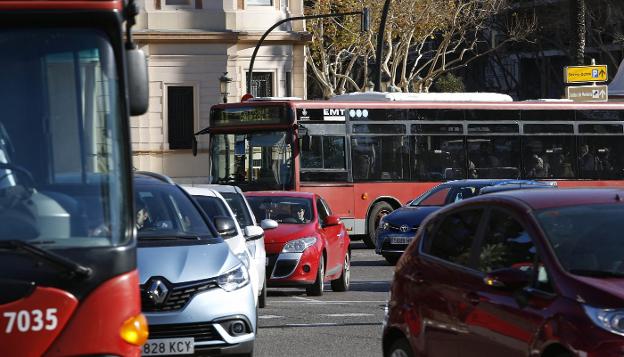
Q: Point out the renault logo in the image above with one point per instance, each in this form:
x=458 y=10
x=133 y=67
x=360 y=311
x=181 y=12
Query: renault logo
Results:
x=157 y=291
x=404 y=228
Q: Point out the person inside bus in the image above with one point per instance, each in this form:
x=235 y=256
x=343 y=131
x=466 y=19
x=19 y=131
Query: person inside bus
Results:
x=537 y=167
x=485 y=156
x=587 y=161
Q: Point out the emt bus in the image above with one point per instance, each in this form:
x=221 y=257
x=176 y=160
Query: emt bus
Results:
x=369 y=153
x=68 y=85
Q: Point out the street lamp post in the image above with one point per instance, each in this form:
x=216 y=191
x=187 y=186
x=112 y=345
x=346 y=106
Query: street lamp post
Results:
x=224 y=82
x=365 y=23
x=380 y=41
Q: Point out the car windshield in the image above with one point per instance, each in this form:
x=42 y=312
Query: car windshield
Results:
x=444 y=195
x=236 y=201
x=586 y=239
x=63 y=175
x=212 y=206
x=168 y=214
x=255 y=161
x=282 y=209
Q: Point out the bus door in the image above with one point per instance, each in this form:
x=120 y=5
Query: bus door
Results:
x=323 y=162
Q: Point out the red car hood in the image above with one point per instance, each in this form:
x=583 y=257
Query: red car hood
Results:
x=286 y=232
x=611 y=286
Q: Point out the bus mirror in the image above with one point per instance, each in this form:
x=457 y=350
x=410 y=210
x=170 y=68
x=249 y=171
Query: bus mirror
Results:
x=138 y=86
x=194 y=146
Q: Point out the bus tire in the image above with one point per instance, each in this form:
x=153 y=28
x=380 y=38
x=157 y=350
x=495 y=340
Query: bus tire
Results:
x=379 y=210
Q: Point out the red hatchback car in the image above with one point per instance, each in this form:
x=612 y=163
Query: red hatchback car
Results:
x=309 y=246
x=517 y=273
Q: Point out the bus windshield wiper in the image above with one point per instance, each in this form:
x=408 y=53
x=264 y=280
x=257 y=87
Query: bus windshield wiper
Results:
x=74 y=269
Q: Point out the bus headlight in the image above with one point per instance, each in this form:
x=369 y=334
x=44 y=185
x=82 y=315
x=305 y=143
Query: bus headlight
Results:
x=234 y=279
x=299 y=245
x=134 y=330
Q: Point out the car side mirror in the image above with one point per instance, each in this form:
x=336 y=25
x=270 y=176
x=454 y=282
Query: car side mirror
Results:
x=226 y=226
x=508 y=279
x=138 y=83
x=332 y=221
x=253 y=233
x=268 y=224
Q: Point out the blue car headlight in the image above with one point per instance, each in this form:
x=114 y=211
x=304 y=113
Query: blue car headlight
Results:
x=383 y=225
x=234 y=279
x=611 y=320
x=299 y=245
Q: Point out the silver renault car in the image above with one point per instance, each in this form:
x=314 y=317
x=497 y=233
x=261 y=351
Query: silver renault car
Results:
x=195 y=292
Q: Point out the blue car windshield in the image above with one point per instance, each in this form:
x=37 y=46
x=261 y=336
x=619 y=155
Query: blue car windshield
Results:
x=587 y=240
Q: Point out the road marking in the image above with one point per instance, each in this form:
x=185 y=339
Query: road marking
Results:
x=270 y=317
x=354 y=314
x=322 y=324
x=305 y=299
x=320 y=302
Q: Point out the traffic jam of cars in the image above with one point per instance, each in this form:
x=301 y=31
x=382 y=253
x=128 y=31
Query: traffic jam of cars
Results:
x=489 y=266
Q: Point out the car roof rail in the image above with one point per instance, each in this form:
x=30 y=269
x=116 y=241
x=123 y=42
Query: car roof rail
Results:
x=160 y=177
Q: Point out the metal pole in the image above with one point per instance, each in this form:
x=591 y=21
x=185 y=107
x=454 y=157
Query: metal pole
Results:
x=380 y=41
x=309 y=17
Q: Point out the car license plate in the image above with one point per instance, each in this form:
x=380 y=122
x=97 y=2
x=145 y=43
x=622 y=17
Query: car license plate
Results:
x=400 y=240
x=169 y=346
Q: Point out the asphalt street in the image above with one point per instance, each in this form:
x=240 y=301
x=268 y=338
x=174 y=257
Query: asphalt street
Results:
x=335 y=324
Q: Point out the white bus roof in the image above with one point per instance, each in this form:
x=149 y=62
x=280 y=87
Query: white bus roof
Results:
x=422 y=97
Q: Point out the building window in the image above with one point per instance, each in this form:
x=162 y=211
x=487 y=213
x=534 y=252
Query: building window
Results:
x=180 y=114
x=180 y=4
x=262 y=84
x=260 y=2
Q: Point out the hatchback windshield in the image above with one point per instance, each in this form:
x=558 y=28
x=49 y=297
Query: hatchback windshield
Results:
x=164 y=212
x=236 y=201
x=260 y=160
x=62 y=167
x=282 y=209
x=587 y=239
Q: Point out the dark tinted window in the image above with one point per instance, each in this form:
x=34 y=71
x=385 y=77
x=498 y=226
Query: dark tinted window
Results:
x=212 y=206
x=506 y=244
x=454 y=237
x=439 y=158
x=601 y=157
x=435 y=114
x=238 y=206
x=548 y=156
x=495 y=115
x=456 y=129
x=494 y=157
x=541 y=115
x=548 y=128
x=493 y=128
x=322 y=211
x=378 y=129
x=380 y=158
x=281 y=209
x=436 y=197
x=600 y=128
x=322 y=152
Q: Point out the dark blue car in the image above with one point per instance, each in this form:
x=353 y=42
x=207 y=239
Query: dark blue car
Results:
x=397 y=229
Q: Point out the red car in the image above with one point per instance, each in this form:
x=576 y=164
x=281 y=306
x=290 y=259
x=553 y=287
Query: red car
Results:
x=309 y=246
x=516 y=273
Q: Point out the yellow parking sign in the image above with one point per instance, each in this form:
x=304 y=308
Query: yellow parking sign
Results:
x=579 y=74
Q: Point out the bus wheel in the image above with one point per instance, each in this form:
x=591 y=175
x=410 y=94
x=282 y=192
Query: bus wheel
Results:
x=379 y=210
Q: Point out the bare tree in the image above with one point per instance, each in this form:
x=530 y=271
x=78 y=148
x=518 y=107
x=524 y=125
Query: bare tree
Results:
x=424 y=39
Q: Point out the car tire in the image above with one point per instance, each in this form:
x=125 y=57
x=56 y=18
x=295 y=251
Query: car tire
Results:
x=342 y=283
x=316 y=289
x=392 y=259
x=263 y=295
x=379 y=210
x=400 y=348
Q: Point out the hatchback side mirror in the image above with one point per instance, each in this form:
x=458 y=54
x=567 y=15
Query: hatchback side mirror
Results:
x=268 y=224
x=226 y=226
x=508 y=279
x=253 y=233
x=332 y=221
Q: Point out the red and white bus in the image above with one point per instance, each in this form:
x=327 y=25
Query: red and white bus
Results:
x=367 y=154
x=69 y=82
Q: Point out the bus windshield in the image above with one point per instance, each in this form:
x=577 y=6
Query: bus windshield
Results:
x=258 y=161
x=62 y=175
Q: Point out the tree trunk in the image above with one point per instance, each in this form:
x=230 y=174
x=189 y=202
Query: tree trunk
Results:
x=578 y=25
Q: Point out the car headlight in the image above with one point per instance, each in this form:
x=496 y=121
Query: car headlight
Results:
x=611 y=320
x=383 y=225
x=234 y=279
x=299 y=245
x=251 y=246
x=244 y=258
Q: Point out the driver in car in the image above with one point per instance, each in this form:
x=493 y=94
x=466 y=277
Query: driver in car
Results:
x=301 y=215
